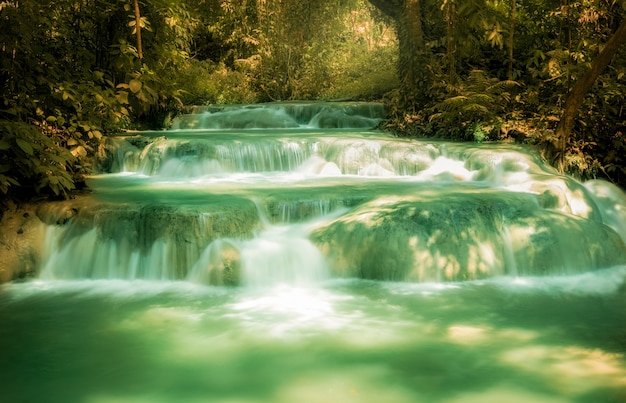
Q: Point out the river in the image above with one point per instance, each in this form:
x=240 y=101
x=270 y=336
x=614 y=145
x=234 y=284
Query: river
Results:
x=292 y=253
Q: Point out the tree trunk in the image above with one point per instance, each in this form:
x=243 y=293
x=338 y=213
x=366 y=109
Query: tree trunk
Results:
x=412 y=60
x=580 y=89
x=138 y=29
x=451 y=40
x=511 y=36
x=393 y=8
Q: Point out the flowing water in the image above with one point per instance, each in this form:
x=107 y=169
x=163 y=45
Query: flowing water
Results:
x=291 y=253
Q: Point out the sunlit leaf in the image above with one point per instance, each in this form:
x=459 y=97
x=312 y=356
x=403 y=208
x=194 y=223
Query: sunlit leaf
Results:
x=79 y=151
x=135 y=85
x=122 y=97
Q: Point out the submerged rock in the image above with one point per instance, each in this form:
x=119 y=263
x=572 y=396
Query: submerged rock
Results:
x=151 y=241
x=220 y=264
x=463 y=236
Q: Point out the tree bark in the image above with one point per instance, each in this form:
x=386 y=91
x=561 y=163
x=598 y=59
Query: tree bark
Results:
x=412 y=59
x=577 y=95
x=512 y=18
x=138 y=29
x=451 y=40
x=392 y=8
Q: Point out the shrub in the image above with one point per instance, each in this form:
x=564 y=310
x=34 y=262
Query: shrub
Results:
x=206 y=82
x=36 y=161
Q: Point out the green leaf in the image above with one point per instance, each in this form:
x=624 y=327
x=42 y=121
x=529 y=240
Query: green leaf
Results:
x=24 y=145
x=122 y=97
x=6 y=182
x=4 y=145
x=68 y=184
x=151 y=92
x=79 y=151
x=135 y=85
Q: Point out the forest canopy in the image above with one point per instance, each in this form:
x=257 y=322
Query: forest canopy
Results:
x=74 y=71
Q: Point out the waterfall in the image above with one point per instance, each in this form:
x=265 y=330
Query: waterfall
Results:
x=282 y=256
x=300 y=192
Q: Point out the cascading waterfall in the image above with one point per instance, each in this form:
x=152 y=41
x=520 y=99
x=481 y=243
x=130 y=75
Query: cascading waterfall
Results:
x=291 y=252
x=412 y=210
x=359 y=115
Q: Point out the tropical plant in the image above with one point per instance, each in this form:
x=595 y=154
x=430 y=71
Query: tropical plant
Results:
x=69 y=74
x=474 y=107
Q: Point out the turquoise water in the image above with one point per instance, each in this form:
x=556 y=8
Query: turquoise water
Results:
x=516 y=340
x=291 y=253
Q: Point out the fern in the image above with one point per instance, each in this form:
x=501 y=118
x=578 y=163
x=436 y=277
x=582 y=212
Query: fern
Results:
x=477 y=99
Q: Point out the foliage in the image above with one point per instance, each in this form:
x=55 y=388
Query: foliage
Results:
x=598 y=145
x=69 y=74
x=473 y=107
x=38 y=159
x=296 y=41
x=545 y=46
x=366 y=75
x=206 y=83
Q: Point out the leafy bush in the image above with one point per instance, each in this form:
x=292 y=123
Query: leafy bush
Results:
x=473 y=107
x=35 y=160
x=206 y=82
x=365 y=74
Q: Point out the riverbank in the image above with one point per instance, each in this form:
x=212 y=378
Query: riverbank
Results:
x=21 y=237
x=23 y=232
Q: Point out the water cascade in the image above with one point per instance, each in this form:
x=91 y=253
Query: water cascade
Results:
x=292 y=252
x=410 y=210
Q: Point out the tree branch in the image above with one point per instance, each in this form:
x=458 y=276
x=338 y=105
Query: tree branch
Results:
x=583 y=85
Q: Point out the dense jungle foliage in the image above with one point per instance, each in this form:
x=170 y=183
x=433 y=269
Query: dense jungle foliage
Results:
x=74 y=71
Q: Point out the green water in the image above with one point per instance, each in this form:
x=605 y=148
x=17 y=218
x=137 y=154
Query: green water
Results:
x=237 y=266
x=504 y=340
